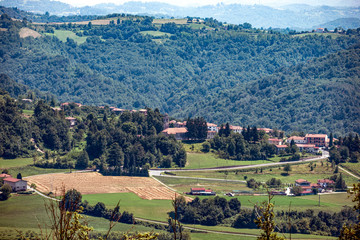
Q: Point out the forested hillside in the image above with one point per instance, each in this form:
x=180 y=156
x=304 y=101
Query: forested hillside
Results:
x=224 y=73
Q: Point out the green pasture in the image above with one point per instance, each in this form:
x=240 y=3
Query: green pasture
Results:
x=18 y=162
x=32 y=170
x=28 y=112
x=209 y=160
x=62 y=35
x=332 y=35
x=26 y=212
x=149 y=209
x=155 y=33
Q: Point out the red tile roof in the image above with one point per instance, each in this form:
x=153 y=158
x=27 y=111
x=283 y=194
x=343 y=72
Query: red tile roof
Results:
x=10 y=179
x=301 y=180
x=70 y=118
x=211 y=125
x=4 y=175
x=325 y=181
x=316 y=135
x=281 y=146
x=175 y=130
x=197 y=189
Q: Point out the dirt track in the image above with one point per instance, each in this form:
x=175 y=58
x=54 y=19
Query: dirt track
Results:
x=93 y=182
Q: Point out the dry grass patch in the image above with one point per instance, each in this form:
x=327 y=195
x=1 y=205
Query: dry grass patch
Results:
x=27 y=32
x=93 y=182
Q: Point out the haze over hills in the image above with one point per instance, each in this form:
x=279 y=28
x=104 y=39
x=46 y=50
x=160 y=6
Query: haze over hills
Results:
x=292 y=16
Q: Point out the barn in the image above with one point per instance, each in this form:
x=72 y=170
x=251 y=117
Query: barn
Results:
x=16 y=184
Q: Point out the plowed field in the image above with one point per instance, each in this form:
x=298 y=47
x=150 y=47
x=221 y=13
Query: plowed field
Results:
x=93 y=182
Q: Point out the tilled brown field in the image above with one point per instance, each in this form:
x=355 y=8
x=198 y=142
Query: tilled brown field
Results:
x=93 y=182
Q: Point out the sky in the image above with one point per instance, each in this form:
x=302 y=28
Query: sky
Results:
x=273 y=3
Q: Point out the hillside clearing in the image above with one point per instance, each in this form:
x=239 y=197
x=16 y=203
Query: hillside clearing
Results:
x=27 y=32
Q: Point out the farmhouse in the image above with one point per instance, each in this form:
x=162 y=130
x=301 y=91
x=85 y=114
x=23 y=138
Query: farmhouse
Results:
x=212 y=127
x=16 y=184
x=281 y=148
x=307 y=148
x=201 y=191
x=67 y=104
x=275 y=141
x=297 y=139
x=302 y=183
x=178 y=133
x=71 y=120
x=320 y=140
x=118 y=110
x=236 y=129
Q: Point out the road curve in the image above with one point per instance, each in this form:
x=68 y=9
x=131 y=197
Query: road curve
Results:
x=157 y=172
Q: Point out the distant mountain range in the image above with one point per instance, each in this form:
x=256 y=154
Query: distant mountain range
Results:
x=343 y=22
x=296 y=16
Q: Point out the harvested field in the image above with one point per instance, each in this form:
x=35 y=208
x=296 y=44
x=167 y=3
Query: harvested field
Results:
x=93 y=182
x=27 y=32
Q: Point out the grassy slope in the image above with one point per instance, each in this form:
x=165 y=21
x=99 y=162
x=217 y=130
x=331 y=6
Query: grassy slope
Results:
x=64 y=34
x=10 y=163
x=155 y=33
x=25 y=212
x=150 y=209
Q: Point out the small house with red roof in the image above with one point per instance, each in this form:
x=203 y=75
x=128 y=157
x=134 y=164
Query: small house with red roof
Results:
x=307 y=147
x=201 y=191
x=281 y=148
x=178 y=133
x=325 y=183
x=16 y=184
x=236 y=129
x=275 y=141
x=71 y=120
x=302 y=183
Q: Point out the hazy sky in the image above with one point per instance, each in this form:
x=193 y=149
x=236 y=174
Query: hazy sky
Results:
x=79 y=3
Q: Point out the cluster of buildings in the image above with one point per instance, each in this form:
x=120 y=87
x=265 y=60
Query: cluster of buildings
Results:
x=309 y=143
x=308 y=188
x=201 y=191
x=15 y=184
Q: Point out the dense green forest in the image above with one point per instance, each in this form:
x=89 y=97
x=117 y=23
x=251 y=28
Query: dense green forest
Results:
x=231 y=73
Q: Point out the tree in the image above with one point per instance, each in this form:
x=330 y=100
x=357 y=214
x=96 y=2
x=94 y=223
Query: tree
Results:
x=287 y=168
x=197 y=128
x=19 y=176
x=297 y=190
x=83 y=160
x=265 y=220
x=331 y=142
x=340 y=183
x=206 y=147
x=353 y=232
x=5 y=192
x=71 y=200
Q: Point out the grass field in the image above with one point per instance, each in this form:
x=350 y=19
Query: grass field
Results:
x=28 y=112
x=18 y=162
x=333 y=201
x=31 y=170
x=156 y=33
x=298 y=171
x=176 y=21
x=64 y=34
x=332 y=35
x=149 y=209
x=209 y=160
x=25 y=212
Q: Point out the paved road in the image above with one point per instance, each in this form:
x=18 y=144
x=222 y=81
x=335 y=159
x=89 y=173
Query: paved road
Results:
x=158 y=172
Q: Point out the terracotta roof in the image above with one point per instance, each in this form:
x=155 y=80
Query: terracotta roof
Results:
x=301 y=180
x=211 y=124
x=197 y=189
x=10 y=179
x=172 y=121
x=118 y=110
x=316 y=135
x=70 y=118
x=175 y=130
x=281 y=146
x=274 y=139
x=306 y=145
x=325 y=181
x=236 y=127
x=4 y=175
x=211 y=131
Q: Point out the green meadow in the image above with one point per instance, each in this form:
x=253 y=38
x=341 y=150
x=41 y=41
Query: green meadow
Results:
x=149 y=209
x=18 y=162
x=155 y=33
x=62 y=35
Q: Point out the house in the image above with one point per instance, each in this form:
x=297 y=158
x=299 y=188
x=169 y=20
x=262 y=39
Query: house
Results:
x=67 y=104
x=307 y=148
x=236 y=129
x=281 y=148
x=297 y=139
x=212 y=127
x=325 y=183
x=56 y=109
x=275 y=141
x=210 y=134
x=118 y=110
x=27 y=100
x=320 y=30
x=302 y=183
x=71 y=120
x=178 y=133
x=266 y=130
x=16 y=184
x=143 y=111
x=201 y=191
x=319 y=140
